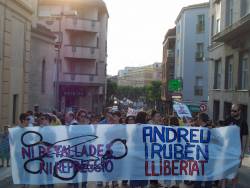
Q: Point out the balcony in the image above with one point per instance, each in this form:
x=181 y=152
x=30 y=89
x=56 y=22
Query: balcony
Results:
x=79 y=78
x=80 y=52
x=240 y=28
x=199 y=56
x=200 y=28
x=82 y=25
x=198 y=90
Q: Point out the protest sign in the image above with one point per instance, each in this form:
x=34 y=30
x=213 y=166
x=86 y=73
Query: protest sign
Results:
x=76 y=153
x=182 y=110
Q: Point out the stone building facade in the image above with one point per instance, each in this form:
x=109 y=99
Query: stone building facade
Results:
x=42 y=68
x=229 y=67
x=15 y=34
x=139 y=76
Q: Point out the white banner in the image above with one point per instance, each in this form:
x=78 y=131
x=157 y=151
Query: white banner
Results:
x=77 y=153
x=182 y=110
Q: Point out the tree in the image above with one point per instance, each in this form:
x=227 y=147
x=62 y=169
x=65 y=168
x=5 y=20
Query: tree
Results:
x=111 y=91
x=153 y=94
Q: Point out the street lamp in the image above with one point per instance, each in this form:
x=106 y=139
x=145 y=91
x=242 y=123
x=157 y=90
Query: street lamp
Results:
x=59 y=17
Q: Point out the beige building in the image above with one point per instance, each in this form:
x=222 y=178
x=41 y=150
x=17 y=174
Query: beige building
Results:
x=15 y=34
x=42 y=68
x=82 y=43
x=229 y=66
x=139 y=76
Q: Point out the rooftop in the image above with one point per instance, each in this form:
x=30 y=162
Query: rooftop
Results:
x=195 y=6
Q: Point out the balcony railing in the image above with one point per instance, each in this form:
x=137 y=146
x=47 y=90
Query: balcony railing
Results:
x=200 y=28
x=81 y=52
x=80 y=78
x=170 y=53
x=199 y=56
x=241 y=27
x=82 y=25
x=198 y=90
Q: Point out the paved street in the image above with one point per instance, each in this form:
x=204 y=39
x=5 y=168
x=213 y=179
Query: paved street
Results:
x=6 y=180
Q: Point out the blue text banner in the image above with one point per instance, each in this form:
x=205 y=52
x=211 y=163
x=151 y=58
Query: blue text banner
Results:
x=78 y=153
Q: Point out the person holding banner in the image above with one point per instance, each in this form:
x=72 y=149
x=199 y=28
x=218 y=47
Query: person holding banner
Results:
x=141 y=118
x=202 y=121
x=236 y=119
x=45 y=120
x=130 y=119
x=24 y=122
x=155 y=119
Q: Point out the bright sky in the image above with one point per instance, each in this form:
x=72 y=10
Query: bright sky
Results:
x=137 y=28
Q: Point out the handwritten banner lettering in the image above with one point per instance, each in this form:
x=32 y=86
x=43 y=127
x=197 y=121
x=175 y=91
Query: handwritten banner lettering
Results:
x=77 y=153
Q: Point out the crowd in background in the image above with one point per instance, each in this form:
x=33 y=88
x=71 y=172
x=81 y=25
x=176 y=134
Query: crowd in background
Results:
x=111 y=116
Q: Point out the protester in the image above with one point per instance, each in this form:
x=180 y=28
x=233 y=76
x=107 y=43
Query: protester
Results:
x=24 y=122
x=130 y=119
x=155 y=118
x=202 y=121
x=32 y=119
x=4 y=149
x=45 y=120
x=70 y=118
x=141 y=118
x=55 y=120
x=82 y=117
x=116 y=117
x=236 y=120
x=173 y=121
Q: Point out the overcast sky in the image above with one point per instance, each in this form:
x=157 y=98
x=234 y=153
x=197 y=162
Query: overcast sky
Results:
x=137 y=28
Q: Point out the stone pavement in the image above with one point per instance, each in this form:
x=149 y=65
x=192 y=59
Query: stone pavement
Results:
x=244 y=174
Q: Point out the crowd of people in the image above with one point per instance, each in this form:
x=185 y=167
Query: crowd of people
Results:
x=110 y=116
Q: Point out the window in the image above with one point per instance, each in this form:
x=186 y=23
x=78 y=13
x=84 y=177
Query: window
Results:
x=243 y=71
x=245 y=7
x=229 y=12
x=229 y=73
x=43 y=77
x=200 y=27
x=198 y=88
x=217 y=74
x=218 y=25
x=227 y=109
x=216 y=110
x=15 y=109
x=199 y=52
x=244 y=112
x=218 y=16
x=212 y=25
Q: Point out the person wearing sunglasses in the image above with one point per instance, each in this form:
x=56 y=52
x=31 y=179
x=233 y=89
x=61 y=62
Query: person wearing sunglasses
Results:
x=236 y=119
x=82 y=117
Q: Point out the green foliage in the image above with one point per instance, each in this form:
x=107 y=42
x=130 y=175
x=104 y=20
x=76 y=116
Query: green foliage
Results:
x=150 y=93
